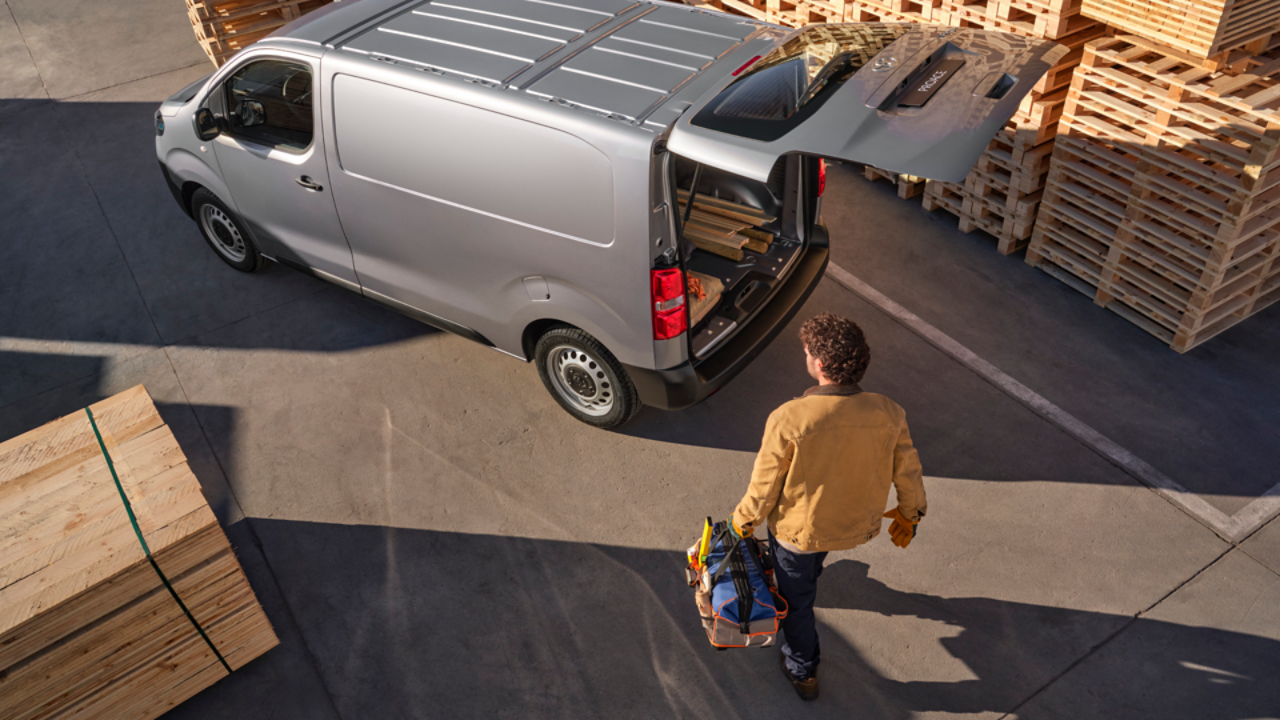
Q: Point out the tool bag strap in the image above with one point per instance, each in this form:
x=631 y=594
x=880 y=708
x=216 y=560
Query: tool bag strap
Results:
x=763 y=564
x=761 y=560
x=742 y=586
x=722 y=537
x=736 y=563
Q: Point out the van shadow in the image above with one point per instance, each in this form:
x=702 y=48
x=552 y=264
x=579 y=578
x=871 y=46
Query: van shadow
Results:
x=416 y=623
x=107 y=255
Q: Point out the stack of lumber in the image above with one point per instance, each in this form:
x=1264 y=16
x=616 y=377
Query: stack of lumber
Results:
x=110 y=609
x=225 y=27
x=725 y=228
x=1205 y=28
x=1164 y=190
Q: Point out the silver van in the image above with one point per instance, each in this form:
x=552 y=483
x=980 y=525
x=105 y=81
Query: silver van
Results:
x=625 y=192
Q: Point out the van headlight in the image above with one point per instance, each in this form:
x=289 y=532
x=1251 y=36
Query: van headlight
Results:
x=159 y=123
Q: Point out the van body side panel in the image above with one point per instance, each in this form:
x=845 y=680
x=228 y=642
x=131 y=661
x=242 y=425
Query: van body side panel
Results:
x=201 y=168
x=449 y=206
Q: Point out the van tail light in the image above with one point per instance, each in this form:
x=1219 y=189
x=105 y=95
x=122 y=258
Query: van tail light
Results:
x=666 y=293
x=822 y=176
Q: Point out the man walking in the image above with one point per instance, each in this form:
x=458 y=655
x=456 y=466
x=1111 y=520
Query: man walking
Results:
x=822 y=480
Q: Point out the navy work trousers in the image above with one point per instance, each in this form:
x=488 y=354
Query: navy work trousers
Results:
x=797 y=578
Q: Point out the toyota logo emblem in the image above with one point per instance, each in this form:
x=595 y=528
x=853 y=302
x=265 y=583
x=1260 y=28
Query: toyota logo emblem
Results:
x=883 y=64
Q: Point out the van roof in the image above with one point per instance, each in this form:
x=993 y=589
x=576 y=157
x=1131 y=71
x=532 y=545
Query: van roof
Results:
x=618 y=58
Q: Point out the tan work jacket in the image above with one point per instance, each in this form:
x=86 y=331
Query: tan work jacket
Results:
x=823 y=473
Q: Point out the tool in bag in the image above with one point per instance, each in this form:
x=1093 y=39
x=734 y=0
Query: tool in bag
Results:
x=732 y=578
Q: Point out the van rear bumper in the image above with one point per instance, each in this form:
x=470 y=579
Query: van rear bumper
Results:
x=687 y=384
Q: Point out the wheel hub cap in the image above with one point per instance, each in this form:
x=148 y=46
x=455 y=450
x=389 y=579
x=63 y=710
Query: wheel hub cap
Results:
x=580 y=380
x=224 y=233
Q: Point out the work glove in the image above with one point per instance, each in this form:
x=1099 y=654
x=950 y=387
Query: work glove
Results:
x=901 y=531
x=744 y=531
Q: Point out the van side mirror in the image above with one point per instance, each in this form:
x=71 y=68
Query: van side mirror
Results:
x=252 y=113
x=206 y=124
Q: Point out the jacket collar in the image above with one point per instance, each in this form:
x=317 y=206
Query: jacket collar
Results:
x=852 y=389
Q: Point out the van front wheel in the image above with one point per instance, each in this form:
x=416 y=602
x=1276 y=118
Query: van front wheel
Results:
x=585 y=378
x=225 y=233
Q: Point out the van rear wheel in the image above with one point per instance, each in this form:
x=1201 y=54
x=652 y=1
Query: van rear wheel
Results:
x=585 y=378
x=225 y=233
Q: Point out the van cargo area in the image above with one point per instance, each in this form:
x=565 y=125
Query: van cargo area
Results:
x=738 y=242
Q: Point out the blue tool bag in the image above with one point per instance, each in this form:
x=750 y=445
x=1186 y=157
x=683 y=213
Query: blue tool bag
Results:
x=734 y=590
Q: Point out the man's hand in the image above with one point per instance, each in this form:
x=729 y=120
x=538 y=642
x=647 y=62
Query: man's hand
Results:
x=745 y=531
x=901 y=530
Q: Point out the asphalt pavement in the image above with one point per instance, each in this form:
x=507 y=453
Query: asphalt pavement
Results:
x=433 y=537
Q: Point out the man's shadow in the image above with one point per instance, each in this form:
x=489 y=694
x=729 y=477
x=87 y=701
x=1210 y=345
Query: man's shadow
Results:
x=424 y=623
x=1152 y=669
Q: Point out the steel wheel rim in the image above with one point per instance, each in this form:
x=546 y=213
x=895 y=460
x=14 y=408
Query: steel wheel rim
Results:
x=581 y=380
x=226 y=236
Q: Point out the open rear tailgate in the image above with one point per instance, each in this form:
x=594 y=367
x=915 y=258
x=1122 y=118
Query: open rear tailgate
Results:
x=918 y=99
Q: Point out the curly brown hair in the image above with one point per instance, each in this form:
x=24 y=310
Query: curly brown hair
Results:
x=839 y=344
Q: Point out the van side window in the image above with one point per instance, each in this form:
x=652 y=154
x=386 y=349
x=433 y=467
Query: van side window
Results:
x=269 y=103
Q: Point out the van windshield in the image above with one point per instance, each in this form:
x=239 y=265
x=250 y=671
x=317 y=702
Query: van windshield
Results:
x=785 y=87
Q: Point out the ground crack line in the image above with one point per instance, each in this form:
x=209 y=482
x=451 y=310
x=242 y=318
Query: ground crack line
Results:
x=1128 y=624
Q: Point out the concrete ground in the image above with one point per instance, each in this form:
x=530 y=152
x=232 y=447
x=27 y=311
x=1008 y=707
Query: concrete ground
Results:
x=433 y=537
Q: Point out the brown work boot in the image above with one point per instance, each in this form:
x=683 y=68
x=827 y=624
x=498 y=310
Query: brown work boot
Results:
x=806 y=689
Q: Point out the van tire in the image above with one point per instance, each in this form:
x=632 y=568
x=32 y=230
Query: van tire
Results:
x=225 y=232
x=586 y=365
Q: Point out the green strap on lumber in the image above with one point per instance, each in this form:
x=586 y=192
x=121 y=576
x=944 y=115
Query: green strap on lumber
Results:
x=133 y=520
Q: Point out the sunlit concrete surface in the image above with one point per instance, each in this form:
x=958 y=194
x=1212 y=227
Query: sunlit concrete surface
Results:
x=433 y=537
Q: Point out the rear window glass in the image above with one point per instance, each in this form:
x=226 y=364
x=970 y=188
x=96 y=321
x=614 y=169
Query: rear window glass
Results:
x=785 y=87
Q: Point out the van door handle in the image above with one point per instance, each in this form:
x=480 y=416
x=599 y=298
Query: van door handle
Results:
x=305 y=181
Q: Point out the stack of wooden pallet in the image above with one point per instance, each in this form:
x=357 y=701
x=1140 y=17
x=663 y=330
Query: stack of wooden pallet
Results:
x=1205 y=28
x=908 y=186
x=225 y=27
x=799 y=13
x=1050 y=19
x=119 y=594
x=1164 y=194
x=1002 y=195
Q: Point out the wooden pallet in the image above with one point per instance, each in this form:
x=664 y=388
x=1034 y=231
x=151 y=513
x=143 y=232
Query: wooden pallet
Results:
x=88 y=626
x=1164 y=189
x=908 y=186
x=984 y=202
x=1002 y=194
x=1050 y=19
x=1205 y=28
x=225 y=27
